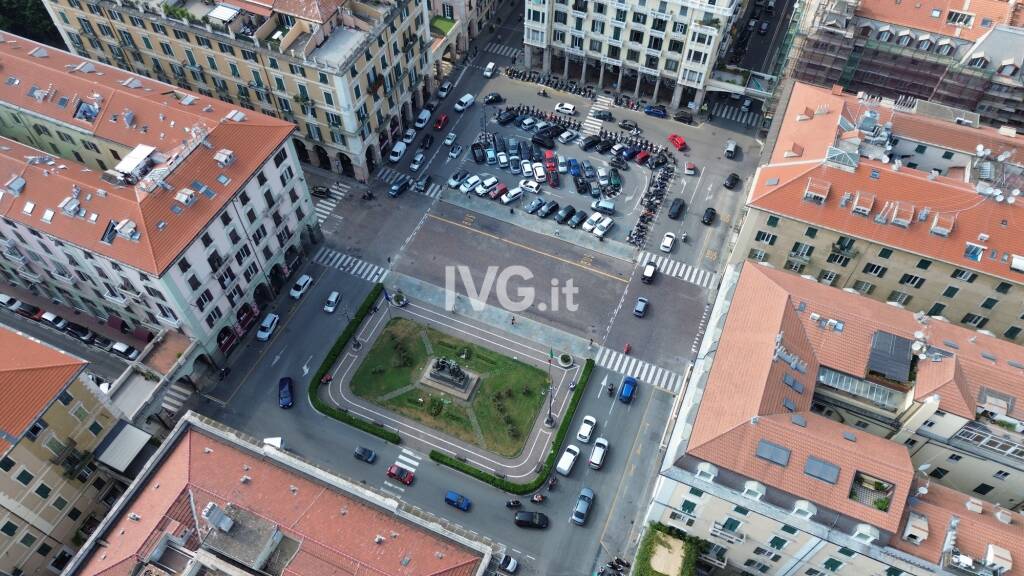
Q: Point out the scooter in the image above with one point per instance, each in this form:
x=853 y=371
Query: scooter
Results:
x=682 y=237
x=543 y=93
x=627 y=348
x=611 y=390
x=513 y=504
x=537 y=498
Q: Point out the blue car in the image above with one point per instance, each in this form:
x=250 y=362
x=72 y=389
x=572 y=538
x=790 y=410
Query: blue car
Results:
x=284 y=393
x=628 y=390
x=588 y=170
x=574 y=167
x=656 y=111
x=457 y=500
x=628 y=153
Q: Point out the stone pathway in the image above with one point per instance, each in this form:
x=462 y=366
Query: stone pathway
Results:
x=395 y=393
x=477 y=431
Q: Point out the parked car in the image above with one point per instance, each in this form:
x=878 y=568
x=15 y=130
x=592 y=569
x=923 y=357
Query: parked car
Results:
x=397 y=151
x=731 y=181
x=762 y=30
x=586 y=429
x=331 y=304
x=469 y=184
x=506 y=118
x=604 y=146
x=667 y=242
x=301 y=286
x=602 y=176
x=614 y=178
x=588 y=170
x=709 y=217
x=492 y=156
x=28 y=311
x=568 y=136
x=54 y=321
x=530 y=186
x=455 y=151
x=502 y=160
x=422 y=118
x=477 y=150
x=494 y=98
x=525 y=519
x=285 y=399
x=417 y=161
x=547 y=209
x=578 y=218
x=457 y=500
x=401 y=474
x=565 y=108
x=676 y=209
x=563 y=165
x=657 y=111
x=465 y=102
x=441 y=122
x=445 y=90
x=574 y=167
x=590 y=142
x=512 y=195
x=125 y=351
x=564 y=214
x=457 y=178
x=583 y=503
x=365 y=454
x=498 y=191
x=677 y=141
x=567 y=460
x=640 y=308
x=409 y=136
x=604 y=226
x=80 y=332
x=593 y=220
x=534 y=205
x=539 y=174
x=102 y=342
x=690 y=169
x=486 y=186
x=427 y=141
x=508 y=565
x=553 y=179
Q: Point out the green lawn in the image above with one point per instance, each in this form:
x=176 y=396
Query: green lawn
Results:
x=506 y=401
x=442 y=24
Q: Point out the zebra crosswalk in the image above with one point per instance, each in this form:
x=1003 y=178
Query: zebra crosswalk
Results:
x=324 y=207
x=389 y=175
x=677 y=269
x=643 y=371
x=406 y=459
x=502 y=50
x=350 y=264
x=175 y=398
x=592 y=125
x=723 y=110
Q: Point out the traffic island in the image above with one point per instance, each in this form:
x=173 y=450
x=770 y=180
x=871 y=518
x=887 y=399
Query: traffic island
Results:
x=409 y=366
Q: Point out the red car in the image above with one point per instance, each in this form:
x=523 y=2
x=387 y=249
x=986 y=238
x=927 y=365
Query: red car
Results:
x=641 y=157
x=553 y=178
x=549 y=161
x=401 y=474
x=499 y=191
x=441 y=122
x=678 y=141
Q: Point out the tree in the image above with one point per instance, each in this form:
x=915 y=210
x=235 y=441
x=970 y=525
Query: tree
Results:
x=30 y=19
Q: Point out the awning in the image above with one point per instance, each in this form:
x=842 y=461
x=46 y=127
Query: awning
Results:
x=121 y=446
x=224 y=13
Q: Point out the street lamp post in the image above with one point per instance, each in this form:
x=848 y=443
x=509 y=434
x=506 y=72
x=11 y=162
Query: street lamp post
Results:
x=550 y=420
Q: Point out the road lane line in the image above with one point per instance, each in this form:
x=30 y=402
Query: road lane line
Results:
x=530 y=249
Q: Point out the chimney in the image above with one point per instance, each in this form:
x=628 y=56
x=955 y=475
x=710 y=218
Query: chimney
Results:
x=1004 y=516
x=216 y=518
x=974 y=505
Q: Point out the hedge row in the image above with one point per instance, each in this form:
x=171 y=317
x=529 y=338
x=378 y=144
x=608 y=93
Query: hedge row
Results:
x=549 y=463
x=329 y=360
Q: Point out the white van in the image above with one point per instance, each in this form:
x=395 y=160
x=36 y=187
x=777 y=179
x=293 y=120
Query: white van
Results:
x=422 y=119
x=489 y=70
x=568 y=460
x=598 y=454
x=601 y=229
x=466 y=101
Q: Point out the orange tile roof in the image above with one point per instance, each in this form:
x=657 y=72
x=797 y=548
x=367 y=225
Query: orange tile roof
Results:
x=319 y=11
x=974 y=532
x=918 y=15
x=32 y=374
x=335 y=532
x=779 y=186
x=134 y=110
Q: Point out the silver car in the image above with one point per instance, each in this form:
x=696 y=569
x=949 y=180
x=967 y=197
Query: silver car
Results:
x=583 y=504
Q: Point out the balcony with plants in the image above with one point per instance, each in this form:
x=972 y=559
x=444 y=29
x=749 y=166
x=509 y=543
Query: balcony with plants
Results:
x=871 y=491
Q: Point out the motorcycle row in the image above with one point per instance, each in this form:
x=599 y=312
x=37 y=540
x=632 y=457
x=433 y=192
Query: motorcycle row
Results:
x=549 y=117
x=570 y=86
x=652 y=200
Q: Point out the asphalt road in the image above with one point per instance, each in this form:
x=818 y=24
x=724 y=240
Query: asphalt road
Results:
x=761 y=48
x=101 y=363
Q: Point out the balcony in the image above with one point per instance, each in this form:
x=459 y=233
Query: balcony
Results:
x=802 y=257
x=15 y=257
x=844 y=250
x=118 y=298
x=871 y=491
x=64 y=278
x=29 y=275
x=579 y=9
x=715 y=555
x=719 y=530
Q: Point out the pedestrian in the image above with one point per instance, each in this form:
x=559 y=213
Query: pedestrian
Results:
x=513 y=320
x=389 y=259
x=511 y=211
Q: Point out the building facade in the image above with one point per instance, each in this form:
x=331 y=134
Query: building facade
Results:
x=663 y=50
x=965 y=57
x=142 y=205
x=474 y=16
x=896 y=204
x=793 y=451
x=53 y=490
x=347 y=73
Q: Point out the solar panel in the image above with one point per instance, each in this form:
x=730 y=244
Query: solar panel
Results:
x=988 y=356
x=890 y=356
x=821 y=470
x=773 y=452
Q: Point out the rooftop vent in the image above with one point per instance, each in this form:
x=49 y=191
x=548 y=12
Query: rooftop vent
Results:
x=942 y=224
x=916 y=530
x=126 y=229
x=186 y=196
x=974 y=505
x=1004 y=516
x=216 y=517
x=70 y=206
x=224 y=157
x=134 y=517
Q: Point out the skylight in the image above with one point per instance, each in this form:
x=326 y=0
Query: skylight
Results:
x=822 y=470
x=773 y=452
x=798 y=420
x=793 y=383
x=974 y=252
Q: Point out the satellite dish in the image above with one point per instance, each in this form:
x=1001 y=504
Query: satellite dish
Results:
x=980 y=148
x=917 y=346
x=922 y=490
x=919 y=335
x=1011 y=200
x=922 y=356
x=1015 y=192
x=885 y=158
x=1000 y=197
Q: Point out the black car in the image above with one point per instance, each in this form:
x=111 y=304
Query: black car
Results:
x=285 y=398
x=657 y=161
x=319 y=191
x=590 y=142
x=423 y=183
x=617 y=162
x=595 y=192
x=709 y=217
x=553 y=179
x=684 y=116
x=427 y=142
x=564 y=214
x=578 y=218
x=536 y=154
x=582 y=185
x=524 y=150
x=400 y=185
x=80 y=332
x=506 y=118
x=553 y=131
x=478 y=153
x=534 y=205
x=547 y=209
x=604 y=146
x=731 y=181
x=102 y=342
x=526 y=519
x=603 y=115
x=499 y=145
x=627 y=125
x=494 y=98
x=543 y=142
x=675 y=211
x=365 y=454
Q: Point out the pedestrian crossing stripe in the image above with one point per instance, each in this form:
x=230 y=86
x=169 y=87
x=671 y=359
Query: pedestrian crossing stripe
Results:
x=502 y=50
x=720 y=110
x=677 y=269
x=639 y=369
x=350 y=264
x=389 y=175
x=407 y=463
x=592 y=125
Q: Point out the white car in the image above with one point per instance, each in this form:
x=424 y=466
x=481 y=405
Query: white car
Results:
x=449 y=139
x=422 y=119
x=603 y=227
x=267 y=327
x=397 y=152
x=502 y=160
x=417 y=161
x=512 y=195
x=597 y=455
x=529 y=186
x=568 y=136
x=592 y=221
x=444 y=90
x=526 y=166
x=469 y=183
x=602 y=176
x=54 y=321
x=514 y=165
x=563 y=164
x=301 y=285
x=486 y=186
x=565 y=108
x=668 y=241
x=332 y=302
x=465 y=102
x=538 y=173
x=455 y=152
x=489 y=70
x=409 y=136
x=586 y=429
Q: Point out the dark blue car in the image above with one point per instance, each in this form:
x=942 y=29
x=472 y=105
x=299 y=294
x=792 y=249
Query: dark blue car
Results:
x=284 y=393
x=656 y=111
x=628 y=153
x=628 y=390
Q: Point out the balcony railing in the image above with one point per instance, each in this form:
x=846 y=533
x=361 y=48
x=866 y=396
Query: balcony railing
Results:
x=800 y=257
x=720 y=531
x=65 y=278
x=29 y=275
x=14 y=257
x=115 y=298
x=848 y=251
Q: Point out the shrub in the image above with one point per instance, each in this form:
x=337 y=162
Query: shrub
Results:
x=549 y=463
x=328 y=362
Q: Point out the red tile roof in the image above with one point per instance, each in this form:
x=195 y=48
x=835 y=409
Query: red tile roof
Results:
x=32 y=374
x=779 y=187
x=335 y=532
x=134 y=110
x=319 y=11
x=918 y=15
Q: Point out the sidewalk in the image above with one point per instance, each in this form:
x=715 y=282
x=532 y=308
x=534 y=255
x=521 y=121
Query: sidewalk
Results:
x=77 y=316
x=518 y=345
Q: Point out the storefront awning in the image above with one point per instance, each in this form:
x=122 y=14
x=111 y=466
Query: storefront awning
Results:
x=121 y=446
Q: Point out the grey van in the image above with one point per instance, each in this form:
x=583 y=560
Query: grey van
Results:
x=730 y=149
x=603 y=206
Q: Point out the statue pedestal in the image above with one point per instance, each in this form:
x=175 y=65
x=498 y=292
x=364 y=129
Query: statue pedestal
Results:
x=439 y=380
